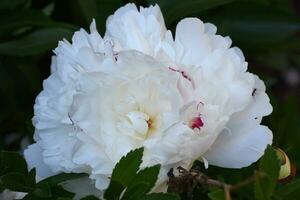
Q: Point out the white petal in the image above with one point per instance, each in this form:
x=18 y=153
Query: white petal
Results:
x=131 y=29
x=192 y=45
x=259 y=107
x=210 y=28
x=178 y=143
x=224 y=71
x=239 y=148
x=34 y=159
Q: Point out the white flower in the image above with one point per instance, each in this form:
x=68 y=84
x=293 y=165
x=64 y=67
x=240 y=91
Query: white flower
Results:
x=182 y=99
x=213 y=75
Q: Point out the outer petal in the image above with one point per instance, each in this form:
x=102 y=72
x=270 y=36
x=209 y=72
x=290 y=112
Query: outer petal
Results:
x=241 y=148
x=225 y=70
x=259 y=106
x=54 y=129
x=191 y=44
x=34 y=158
x=244 y=140
x=141 y=31
x=194 y=40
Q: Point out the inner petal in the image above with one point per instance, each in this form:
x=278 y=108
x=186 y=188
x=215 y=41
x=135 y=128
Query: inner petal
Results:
x=139 y=122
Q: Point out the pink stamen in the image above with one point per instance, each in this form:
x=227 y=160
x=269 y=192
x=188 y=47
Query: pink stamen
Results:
x=196 y=122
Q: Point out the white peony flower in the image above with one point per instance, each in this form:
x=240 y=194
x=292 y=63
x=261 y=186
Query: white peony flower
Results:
x=183 y=99
x=213 y=75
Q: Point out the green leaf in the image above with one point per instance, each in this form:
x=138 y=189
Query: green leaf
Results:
x=177 y=9
x=136 y=191
x=35 y=43
x=56 y=179
x=127 y=167
x=217 y=195
x=123 y=173
x=12 y=162
x=114 y=190
x=270 y=166
x=16 y=182
x=64 y=198
x=50 y=190
x=91 y=197
x=290 y=191
x=59 y=192
x=47 y=192
x=160 y=196
x=148 y=175
x=32 y=176
x=42 y=191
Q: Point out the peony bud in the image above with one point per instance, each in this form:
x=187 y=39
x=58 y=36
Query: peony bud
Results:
x=287 y=170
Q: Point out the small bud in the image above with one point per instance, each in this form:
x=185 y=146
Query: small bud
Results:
x=287 y=170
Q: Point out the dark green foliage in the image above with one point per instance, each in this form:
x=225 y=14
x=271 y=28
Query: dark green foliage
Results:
x=126 y=168
x=160 y=196
x=217 y=195
x=148 y=175
x=269 y=167
x=54 y=180
x=177 y=9
x=290 y=191
x=12 y=162
x=35 y=42
x=90 y=198
x=15 y=176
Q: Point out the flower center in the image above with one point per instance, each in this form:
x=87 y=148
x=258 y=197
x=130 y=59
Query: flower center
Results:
x=149 y=122
x=141 y=123
x=196 y=122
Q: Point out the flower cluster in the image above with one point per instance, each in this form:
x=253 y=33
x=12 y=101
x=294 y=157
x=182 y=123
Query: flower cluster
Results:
x=182 y=98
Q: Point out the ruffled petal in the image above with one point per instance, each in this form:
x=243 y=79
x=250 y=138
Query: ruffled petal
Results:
x=131 y=29
x=34 y=159
x=191 y=43
x=244 y=140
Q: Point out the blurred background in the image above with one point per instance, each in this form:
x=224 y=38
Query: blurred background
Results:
x=268 y=32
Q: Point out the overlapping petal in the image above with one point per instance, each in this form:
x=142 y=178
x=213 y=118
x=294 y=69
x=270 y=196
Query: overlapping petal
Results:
x=183 y=98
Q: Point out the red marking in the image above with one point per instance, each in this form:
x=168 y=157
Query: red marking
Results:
x=149 y=122
x=183 y=73
x=172 y=69
x=196 y=122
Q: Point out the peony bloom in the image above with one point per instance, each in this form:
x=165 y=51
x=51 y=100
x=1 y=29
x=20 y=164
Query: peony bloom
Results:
x=183 y=98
